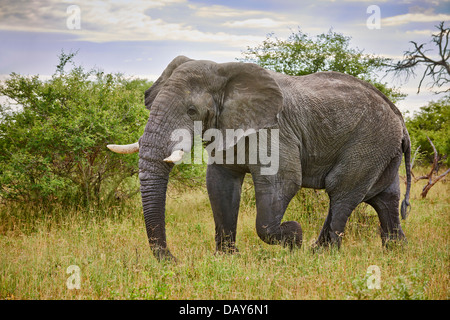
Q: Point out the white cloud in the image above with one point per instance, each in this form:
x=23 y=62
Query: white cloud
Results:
x=257 y=23
x=222 y=11
x=413 y=17
x=426 y=32
x=119 y=20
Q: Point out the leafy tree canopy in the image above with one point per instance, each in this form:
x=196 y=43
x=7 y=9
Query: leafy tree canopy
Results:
x=433 y=120
x=301 y=54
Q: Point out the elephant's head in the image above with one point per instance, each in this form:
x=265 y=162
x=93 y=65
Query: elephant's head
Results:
x=230 y=95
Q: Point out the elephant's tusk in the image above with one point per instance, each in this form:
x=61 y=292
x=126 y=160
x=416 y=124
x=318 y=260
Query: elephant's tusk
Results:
x=125 y=149
x=176 y=156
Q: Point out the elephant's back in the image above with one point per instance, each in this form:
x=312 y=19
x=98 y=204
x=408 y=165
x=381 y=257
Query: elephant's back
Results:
x=337 y=100
x=336 y=112
x=344 y=88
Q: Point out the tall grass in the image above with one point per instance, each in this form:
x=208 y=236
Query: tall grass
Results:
x=111 y=249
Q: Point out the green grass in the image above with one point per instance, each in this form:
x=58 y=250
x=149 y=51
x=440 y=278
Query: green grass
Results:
x=110 y=248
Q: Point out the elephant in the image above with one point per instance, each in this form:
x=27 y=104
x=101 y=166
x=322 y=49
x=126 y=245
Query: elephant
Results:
x=335 y=132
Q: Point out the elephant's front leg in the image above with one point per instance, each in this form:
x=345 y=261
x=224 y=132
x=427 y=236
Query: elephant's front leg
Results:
x=224 y=190
x=272 y=199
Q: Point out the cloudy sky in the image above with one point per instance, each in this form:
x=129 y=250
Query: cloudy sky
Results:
x=140 y=37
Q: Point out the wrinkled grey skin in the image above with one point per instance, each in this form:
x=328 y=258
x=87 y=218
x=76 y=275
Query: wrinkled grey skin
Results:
x=336 y=133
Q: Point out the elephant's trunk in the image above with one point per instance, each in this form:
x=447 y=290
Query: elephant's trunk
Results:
x=153 y=191
x=154 y=168
x=154 y=176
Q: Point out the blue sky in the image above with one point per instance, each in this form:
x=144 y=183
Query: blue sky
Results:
x=140 y=37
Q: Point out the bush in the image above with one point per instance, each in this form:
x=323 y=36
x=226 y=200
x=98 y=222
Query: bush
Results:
x=433 y=120
x=53 y=134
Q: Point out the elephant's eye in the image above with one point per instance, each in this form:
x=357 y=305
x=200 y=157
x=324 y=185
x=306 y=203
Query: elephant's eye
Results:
x=192 y=111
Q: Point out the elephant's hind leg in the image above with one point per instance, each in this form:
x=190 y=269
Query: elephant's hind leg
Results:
x=338 y=214
x=346 y=189
x=386 y=204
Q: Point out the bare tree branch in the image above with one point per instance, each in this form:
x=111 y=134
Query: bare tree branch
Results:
x=429 y=176
x=436 y=69
x=429 y=185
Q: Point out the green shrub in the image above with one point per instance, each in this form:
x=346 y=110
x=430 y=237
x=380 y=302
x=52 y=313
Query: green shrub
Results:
x=433 y=120
x=53 y=134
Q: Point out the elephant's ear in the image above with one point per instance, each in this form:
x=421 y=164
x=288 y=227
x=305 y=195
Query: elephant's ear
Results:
x=153 y=91
x=252 y=99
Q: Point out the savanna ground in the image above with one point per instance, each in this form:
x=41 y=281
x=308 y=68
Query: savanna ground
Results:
x=110 y=247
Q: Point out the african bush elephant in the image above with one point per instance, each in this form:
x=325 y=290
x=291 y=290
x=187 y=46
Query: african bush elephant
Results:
x=335 y=132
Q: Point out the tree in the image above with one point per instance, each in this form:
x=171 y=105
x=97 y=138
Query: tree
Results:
x=437 y=69
x=301 y=54
x=431 y=122
x=53 y=135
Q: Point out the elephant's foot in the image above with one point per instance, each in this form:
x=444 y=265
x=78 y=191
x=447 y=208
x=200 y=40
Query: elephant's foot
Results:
x=291 y=234
x=163 y=254
x=393 y=240
x=226 y=248
x=226 y=243
x=288 y=234
x=328 y=239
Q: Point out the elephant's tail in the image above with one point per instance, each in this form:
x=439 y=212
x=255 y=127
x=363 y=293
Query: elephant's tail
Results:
x=406 y=147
